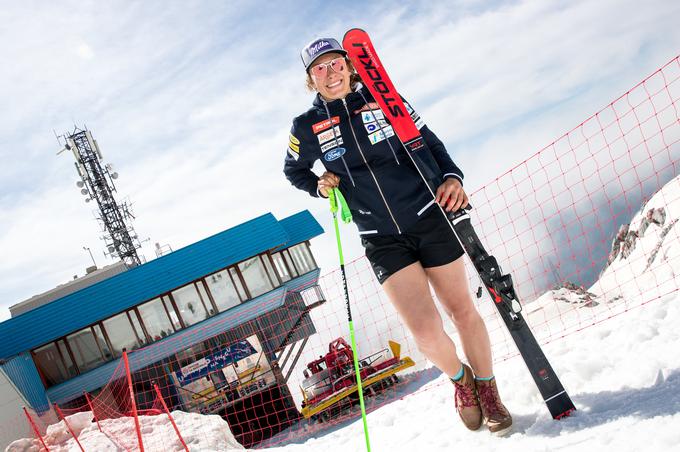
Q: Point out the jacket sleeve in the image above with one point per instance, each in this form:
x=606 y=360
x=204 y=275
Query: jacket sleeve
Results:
x=298 y=163
x=439 y=152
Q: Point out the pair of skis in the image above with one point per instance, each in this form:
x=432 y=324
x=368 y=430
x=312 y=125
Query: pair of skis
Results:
x=361 y=52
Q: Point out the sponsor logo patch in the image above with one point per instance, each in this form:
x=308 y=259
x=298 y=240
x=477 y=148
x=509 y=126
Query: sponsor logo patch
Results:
x=415 y=116
x=373 y=126
x=372 y=115
x=334 y=154
x=329 y=135
x=378 y=136
x=317 y=47
x=331 y=145
x=325 y=124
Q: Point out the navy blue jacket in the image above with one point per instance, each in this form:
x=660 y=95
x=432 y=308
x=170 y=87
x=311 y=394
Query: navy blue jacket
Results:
x=382 y=188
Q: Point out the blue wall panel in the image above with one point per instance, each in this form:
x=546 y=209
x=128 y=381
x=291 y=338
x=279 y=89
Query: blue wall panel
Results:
x=21 y=370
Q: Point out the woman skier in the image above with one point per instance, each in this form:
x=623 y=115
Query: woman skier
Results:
x=407 y=240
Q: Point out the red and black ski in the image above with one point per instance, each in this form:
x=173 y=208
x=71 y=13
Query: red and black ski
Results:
x=361 y=52
x=365 y=59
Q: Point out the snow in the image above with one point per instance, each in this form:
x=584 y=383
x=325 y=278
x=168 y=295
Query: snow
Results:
x=200 y=432
x=623 y=376
x=613 y=345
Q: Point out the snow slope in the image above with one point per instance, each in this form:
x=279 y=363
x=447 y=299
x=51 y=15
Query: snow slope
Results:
x=619 y=361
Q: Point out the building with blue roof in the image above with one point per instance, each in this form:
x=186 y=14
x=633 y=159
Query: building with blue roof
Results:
x=214 y=324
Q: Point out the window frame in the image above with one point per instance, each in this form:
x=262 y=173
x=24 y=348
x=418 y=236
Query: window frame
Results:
x=200 y=297
x=108 y=338
x=96 y=341
x=267 y=258
x=34 y=356
x=168 y=302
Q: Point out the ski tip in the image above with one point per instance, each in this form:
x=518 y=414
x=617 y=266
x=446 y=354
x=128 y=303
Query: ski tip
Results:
x=352 y=31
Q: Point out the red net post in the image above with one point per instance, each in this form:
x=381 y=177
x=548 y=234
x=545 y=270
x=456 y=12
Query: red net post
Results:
x=132 y=401
x=172 y=421
x=35 y=429
x=63 y=418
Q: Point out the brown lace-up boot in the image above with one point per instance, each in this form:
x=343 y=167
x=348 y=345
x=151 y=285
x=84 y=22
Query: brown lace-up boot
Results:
x=496 y=416
x=467 y=404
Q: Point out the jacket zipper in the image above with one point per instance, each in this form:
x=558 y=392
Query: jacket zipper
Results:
x=349 y=117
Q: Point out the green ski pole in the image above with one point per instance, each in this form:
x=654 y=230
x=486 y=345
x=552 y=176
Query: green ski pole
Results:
x=338 y=201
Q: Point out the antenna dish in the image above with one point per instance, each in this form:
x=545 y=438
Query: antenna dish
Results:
x=80 y=184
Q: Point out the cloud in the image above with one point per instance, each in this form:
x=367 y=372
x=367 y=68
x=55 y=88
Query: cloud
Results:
x=85 y=51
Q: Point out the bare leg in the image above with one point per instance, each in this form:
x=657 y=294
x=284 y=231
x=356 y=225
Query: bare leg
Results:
x=409 y=292
x=451 y=286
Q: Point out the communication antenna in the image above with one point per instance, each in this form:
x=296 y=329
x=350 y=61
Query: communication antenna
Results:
x=95 y=183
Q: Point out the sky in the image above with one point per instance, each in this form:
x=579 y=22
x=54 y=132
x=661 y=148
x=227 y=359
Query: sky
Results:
x=191 y=102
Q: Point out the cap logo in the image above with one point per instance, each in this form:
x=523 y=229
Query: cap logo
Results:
x=316 y=48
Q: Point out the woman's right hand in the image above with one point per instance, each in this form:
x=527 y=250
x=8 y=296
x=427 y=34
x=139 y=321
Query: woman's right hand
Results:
x=327 y=181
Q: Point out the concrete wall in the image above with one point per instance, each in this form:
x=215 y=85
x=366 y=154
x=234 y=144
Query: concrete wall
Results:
x=13 y=422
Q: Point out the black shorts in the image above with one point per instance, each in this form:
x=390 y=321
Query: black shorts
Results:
x=430 y=241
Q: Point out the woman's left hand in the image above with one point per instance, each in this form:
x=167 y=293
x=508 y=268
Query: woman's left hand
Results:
x=451 y=196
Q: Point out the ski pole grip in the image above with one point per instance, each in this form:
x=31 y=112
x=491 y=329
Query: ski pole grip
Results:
x=331 y=198
x=338 y=203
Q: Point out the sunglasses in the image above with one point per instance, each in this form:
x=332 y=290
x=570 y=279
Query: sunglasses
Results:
x=321 y=70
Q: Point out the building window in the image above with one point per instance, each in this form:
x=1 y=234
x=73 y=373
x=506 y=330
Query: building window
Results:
x=121 y=334
x=191 y=308
x=223 y=290
x=137 y=325
x=289 y=262
x=89 y=350
x=238 y=283
x=281 y=267
x=270 y=270
x=172 y=312
x=155 y=319
x=71 y=369
x=255 y=276
x=49 y=362
x=207 y=302
x=302 y=257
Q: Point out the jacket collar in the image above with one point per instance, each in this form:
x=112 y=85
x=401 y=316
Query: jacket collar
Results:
x=354 y=101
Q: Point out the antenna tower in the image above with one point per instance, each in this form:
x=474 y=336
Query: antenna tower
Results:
x=96 y=183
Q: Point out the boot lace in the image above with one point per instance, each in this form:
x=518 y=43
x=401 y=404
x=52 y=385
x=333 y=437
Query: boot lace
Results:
x=465 y=395
x=489 y=399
